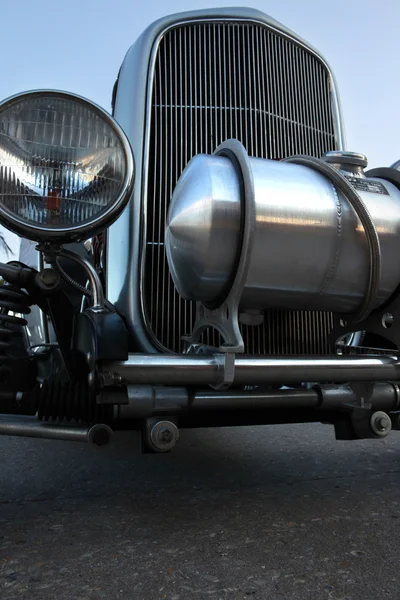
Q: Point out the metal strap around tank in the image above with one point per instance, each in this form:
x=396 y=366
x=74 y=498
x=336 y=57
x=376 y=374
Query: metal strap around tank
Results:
x=214 y=81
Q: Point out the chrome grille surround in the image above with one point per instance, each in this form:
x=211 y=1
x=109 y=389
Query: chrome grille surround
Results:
x=304 y=118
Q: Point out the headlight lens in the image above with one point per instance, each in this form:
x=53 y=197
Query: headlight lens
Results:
x=66 y=167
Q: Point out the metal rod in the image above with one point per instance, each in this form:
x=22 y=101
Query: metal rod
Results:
x=42 y=315
x=209 y=400
x=163 y=369
x=25 y=426
x=143 y=401
x=95 y=282
x=147 y=401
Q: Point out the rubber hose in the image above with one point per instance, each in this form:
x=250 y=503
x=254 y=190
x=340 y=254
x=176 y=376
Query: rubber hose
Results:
x=374 y=249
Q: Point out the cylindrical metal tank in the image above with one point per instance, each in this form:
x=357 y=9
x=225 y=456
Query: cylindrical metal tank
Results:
x=309 y=248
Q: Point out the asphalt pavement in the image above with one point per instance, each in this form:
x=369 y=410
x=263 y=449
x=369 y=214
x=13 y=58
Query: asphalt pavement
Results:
x=277 y=512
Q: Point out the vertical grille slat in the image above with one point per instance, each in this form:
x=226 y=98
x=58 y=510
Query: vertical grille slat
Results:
x=212 y=81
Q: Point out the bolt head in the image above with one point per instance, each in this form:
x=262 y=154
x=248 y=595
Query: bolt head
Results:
x=163 y=436
x=383 y=423
x=166 y=435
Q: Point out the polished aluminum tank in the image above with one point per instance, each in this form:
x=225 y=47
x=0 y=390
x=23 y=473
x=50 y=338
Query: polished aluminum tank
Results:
x=309 y=248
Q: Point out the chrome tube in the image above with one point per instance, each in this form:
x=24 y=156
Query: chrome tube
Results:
x=95 y=282
x=164 y=369
x=321 y=369
x=26 y=426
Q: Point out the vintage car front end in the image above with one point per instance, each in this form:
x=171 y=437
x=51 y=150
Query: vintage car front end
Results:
x=242 y=266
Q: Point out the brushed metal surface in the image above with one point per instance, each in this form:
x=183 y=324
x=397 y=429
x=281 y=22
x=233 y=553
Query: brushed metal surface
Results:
x=309 y=249
x=204 y=226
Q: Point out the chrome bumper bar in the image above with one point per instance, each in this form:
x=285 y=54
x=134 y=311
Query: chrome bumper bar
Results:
x=197 y=370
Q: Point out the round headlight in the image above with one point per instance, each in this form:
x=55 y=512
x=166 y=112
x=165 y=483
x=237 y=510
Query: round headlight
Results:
x=66 y=167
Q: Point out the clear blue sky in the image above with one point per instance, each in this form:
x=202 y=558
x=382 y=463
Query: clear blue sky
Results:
x=78 y=46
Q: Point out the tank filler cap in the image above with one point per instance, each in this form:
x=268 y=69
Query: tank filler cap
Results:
x=346 y=161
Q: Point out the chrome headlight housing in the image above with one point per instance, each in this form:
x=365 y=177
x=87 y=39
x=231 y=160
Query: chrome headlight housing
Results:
x=66 y=167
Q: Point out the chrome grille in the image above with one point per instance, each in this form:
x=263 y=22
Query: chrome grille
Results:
x=218 y=80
